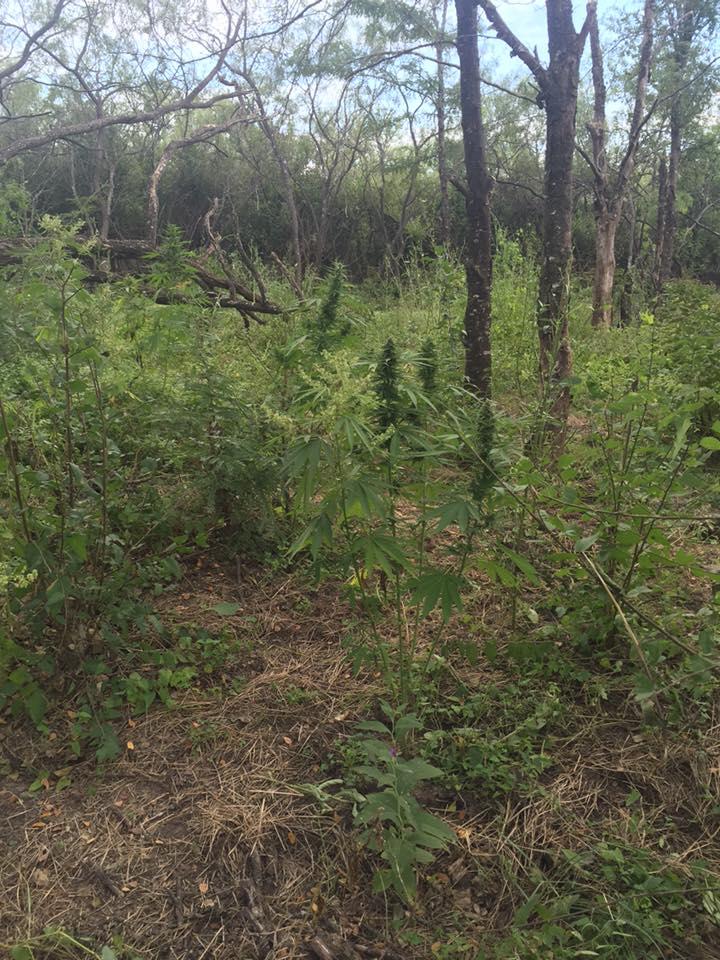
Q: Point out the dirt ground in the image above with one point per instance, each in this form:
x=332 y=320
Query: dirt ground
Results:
x=199 y=842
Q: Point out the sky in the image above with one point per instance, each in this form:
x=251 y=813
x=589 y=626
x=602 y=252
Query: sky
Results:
x=526 y=18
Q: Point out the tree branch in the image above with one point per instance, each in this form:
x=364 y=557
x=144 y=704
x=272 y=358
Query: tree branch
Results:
x=188 y=102
x=627 y=164
x=517 y=48
x=459 y=185
x=32 y=42
x=203 y=135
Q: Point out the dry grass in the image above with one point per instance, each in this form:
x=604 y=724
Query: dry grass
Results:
x=196 y=844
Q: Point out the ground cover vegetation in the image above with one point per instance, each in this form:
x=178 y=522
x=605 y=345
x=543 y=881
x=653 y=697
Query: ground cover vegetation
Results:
x=360 y=506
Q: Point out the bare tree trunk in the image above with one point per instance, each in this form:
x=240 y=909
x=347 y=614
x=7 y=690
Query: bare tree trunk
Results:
x=686 y=20
x=558 y=84
x=444 y=218
x=670 y=216
x=106 y=204
x=289 y=187
x=561 y=91
x=660 y=223
x=152 y=214
x=555 y=351
x=626 y=294
x=323 y=227
x=605 y=230
x=610 y=192
x=478 y=250
x=104 y=193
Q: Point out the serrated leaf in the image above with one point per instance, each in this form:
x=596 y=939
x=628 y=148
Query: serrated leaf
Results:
x=438 y=588
x=497 y=572
x=361 y=500
x=318 y=532
x=381 y=552
x=458 y=512
x=644 y=688
x=302 y=462
x=523 y=565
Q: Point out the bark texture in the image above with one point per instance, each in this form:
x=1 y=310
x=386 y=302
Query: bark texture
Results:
x=670 y=199
x=477 y=190
x=444 y=211
x=558 y=84
x=611 y=187
x=660 y=222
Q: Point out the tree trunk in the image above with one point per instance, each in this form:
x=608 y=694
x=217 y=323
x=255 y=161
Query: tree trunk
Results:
x=106 y=204
x=558 y=84
x=152 y=207
x=604 y=271
x=670 y=217
x=660 y=223
x=686 y=21
x=444 y=180
x=610 y=190
x=561 y=90
x=444 y=212
x=478 y=249
x=286 y=175
x=626 y=294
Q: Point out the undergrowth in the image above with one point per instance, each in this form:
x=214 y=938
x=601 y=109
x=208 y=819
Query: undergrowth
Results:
x=140 y=437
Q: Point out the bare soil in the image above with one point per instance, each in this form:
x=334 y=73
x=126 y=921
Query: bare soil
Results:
x=200 y=843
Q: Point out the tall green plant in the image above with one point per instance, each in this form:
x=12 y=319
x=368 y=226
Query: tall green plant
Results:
x=373 y=506
x=328 y=326
x=386 y=381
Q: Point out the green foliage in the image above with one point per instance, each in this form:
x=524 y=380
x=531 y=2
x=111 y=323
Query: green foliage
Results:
x=611 y=901
x=14 y=205
x=605 y=515
x=109 y=405
x=510 y=596
x=428 y=366
x=484 y=477
x=138 y=434
x=688 y=331
x=329 y=328
x=393 y=822
x=386 y=387
x=58 y=943
x=170 y=268
x=164 y=665
x=349 y=481
x=494 y=741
